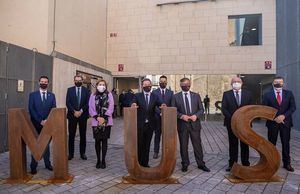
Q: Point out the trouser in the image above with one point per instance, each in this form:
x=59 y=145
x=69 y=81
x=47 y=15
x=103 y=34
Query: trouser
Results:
x=157 y=136
x=72 y=133
x=144 y=140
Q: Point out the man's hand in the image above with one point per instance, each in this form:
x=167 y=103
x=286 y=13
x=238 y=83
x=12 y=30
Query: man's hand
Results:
x=280 y=119
x=163 y=106
x=134 y=105
x=100 y=120
x=193 y=118
x=43 y=122
x=77 y=114
x=185 y=118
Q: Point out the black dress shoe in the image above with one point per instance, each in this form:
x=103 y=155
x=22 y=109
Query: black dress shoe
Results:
x=70 y=157
x=98 y=165
x=204 y=168
x=83 y=157
x=103 y=164
x=49 y=168
x=289 y=168
x=155 y=155
x=228 y=169
x=184 y=168
x=33 y=171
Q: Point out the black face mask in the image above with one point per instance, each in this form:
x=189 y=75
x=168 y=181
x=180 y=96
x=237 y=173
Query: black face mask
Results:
x=185 y=88
x=147 y=89
x=43 y=86
x=162 y=85
x=78 y=84
x=277 y=85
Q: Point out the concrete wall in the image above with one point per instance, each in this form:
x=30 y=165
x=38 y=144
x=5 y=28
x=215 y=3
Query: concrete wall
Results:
x=78 y=27
x=288 y=48
x=63 y=74
x=189 y=38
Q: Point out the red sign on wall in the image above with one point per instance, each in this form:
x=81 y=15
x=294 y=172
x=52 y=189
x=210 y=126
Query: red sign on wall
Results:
x=268 y=64
x=120 y=67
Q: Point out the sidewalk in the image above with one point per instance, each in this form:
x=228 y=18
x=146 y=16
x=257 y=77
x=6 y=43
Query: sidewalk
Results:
x=88 y=179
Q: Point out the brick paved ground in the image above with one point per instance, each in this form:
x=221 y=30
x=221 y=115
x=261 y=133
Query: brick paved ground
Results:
x=88 y=179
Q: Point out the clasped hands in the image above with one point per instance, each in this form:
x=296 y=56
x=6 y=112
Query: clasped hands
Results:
x=77 y=114
x=279 y=119
x=187 y=118
x=134 y=105
x=100 y=120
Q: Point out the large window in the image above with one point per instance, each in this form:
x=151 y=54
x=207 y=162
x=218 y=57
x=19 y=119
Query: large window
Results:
x=245 y=30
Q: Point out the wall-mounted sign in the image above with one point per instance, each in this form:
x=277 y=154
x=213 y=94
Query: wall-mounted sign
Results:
x=120 y=67
x=20 y=87
x=268 y=64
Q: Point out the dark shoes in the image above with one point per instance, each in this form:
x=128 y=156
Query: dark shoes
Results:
x=70 y=157
x=204 y=168
x=83 y=157
x=184 y=168
x=33 y=171
x=98 y=165
x=49 y=168
x=101 y=165
x=289 y=168
x=155 y=155
x=228 y=169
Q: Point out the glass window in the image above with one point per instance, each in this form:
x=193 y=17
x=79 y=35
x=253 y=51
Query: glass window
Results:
x=244 y=30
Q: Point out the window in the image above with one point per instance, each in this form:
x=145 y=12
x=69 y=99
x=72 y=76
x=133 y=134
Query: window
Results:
x=245 y=30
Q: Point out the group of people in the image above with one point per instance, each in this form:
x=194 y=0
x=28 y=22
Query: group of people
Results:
x=100 y=106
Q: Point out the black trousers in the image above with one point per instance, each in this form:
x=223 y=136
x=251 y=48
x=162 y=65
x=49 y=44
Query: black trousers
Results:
x=157 y=135
x=72 y=133
x=234 y=149
x=194 y=134
x=46 y=155
x=144 y=141
x=285 y=135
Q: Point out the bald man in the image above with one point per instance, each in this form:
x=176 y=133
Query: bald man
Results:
x=233 y=100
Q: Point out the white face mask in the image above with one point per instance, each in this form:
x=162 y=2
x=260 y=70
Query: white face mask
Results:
x=101 y=88
x=236 y=86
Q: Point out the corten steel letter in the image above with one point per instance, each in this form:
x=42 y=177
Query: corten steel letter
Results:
x=21 y=132
x=266 y=168
x=161 y=173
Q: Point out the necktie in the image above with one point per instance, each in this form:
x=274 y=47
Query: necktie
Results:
x=187 y=104
x=78 y=97
x=44 y=97
x=278 y=98
x=237 y=97
x=163 y=95
x=147 y=100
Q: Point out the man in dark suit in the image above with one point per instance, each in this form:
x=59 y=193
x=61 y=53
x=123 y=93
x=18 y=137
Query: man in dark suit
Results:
x=146 y=103
x=233 y=100
x=128 y=97
x=77 y=101
x=189 y=111
x=40 y=104
x=284 y=102
x=165 y=95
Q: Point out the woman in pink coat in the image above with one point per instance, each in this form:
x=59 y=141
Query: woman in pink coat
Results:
x=101 y=107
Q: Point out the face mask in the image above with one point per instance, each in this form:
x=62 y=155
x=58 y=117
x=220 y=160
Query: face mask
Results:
x=101 y=89
x=147 y=88
x=236 y=85
x=78 y=84
x=43 y=86
x=185 y=88
x=162 y=85
x=278 y=86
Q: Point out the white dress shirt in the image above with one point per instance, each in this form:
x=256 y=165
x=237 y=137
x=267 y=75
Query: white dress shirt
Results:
x=41 y=93
x=189 y=98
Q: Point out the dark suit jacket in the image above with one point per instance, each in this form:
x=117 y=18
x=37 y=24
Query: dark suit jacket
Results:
x=196 y=109
x=71 y=102
x=287 y=107
x=143 y=112
x=168 y=99
x=37 y=109
x=128 y=97
x=229 y=105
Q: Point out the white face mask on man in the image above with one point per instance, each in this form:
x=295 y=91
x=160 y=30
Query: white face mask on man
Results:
x=101 y=88
x=236 y=86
